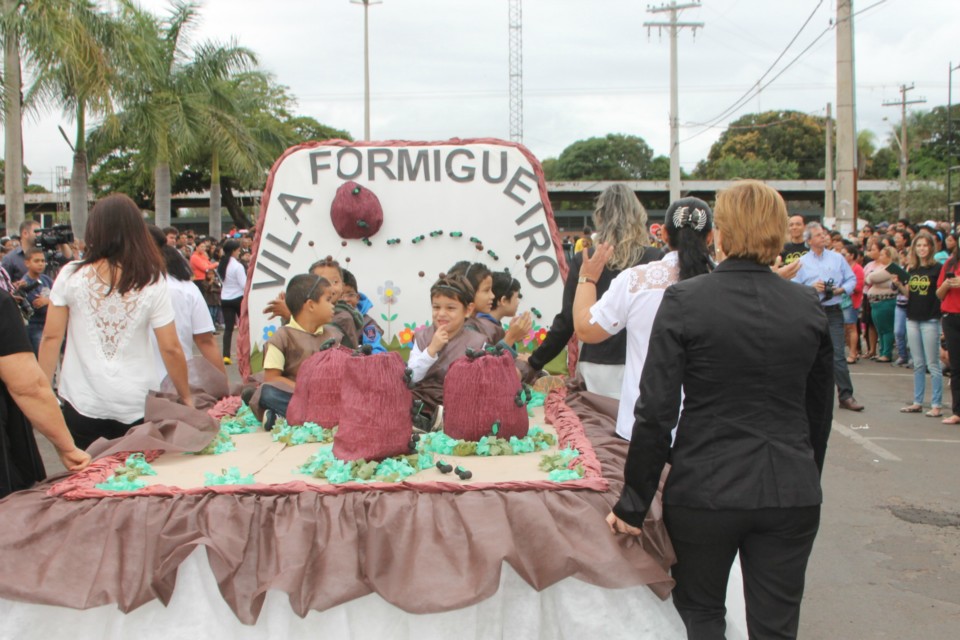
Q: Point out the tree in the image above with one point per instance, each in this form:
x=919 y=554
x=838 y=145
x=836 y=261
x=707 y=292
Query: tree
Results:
x=780 y=140
x=614 y=157
x=79 y=78
x=866 y=149
x=40 y=31
x=164 y=93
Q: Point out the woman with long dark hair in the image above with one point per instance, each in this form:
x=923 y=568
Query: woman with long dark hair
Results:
x=634 y=296
x=621 y=222
x=107 y=304
x=234 y=278
x=751 y=429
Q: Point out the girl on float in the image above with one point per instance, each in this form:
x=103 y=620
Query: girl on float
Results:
x=634 y=296
x=480 y=279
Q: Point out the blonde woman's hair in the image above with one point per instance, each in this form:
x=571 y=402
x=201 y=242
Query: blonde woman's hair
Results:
x=621 y=221
x=913 y=260
x=752 y=219
x=892 y=253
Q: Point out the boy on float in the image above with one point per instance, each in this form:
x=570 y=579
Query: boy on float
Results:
x=370 y=331
x=437 y=346
x=310 y=301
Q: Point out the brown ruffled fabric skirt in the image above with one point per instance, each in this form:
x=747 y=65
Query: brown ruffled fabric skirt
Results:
x=423 y=552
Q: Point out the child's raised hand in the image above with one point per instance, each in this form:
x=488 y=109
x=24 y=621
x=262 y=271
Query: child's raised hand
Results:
x=277 y=307
x=519 y=327
x=439 y=341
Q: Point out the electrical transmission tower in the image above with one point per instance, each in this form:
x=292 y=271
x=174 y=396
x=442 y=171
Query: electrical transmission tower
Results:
x=673 y=26
x=516 y=70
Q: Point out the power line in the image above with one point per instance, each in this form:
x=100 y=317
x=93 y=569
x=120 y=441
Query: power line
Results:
x=756 y=90
x=748 y=94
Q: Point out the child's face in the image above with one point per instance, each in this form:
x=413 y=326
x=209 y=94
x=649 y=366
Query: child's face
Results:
x=332 y=274
x=321 y=311
x=350 y=296
x=510 y=305
x=449 y=314
x=483 y=300
x=210 y=276
x=36 y=264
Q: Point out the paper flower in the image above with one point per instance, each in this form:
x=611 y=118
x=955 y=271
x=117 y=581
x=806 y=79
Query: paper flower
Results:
x=405 y=337
x=268 y=331
x=388 y=292
x=540 y=335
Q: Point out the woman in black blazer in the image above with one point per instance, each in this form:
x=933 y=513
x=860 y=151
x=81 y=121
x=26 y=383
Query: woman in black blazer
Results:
x=753 y=356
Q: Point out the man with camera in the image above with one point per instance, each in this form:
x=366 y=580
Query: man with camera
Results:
x=830 y=275
x=55 y=242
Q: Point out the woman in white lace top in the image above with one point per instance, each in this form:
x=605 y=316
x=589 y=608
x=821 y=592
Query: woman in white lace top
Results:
x=107 y=304
x=634 y=296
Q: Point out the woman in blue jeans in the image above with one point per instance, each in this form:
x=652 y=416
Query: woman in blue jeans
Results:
x=923 y=324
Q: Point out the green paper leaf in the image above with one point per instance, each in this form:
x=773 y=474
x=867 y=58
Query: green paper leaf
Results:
x=392 y=318
x=384 y=317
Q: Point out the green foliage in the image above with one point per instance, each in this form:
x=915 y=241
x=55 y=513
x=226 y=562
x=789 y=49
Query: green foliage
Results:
x=732 y=167
x=772 y=144
x=551 y=169
x=614 y=157
x=923 y=203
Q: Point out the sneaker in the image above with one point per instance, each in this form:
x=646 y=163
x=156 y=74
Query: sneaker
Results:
x=227 y=360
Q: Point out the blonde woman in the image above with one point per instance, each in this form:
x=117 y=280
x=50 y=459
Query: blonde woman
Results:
x=752 y=433
x=621 y=222
x=881 y=289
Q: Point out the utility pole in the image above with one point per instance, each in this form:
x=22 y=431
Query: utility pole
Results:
x=828 y=210
x=846 y=208
x=902 y=142
x=515 y=27
x=366 y=63
x=953 y=208
x=674 y=26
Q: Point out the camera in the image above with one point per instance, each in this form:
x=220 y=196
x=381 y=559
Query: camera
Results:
x=50 y=238
x=828 y=287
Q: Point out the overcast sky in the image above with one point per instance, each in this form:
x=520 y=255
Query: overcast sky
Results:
x=439 y=68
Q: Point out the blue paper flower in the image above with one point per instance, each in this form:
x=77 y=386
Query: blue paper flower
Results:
x=268 y=331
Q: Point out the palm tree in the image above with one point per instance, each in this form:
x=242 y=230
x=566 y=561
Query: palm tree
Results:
x=164 y=93
x=34 y=33
x=79 y=77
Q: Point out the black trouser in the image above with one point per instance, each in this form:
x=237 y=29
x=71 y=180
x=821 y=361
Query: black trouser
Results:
x=950 y=324
x=86 y=430
x=231 y=311
x=774 y=546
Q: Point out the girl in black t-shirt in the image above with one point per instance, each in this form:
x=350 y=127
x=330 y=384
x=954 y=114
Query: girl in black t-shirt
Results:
x=923 y=323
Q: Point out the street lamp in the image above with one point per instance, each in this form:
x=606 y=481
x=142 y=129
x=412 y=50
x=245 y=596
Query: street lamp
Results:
x=366 y=63
x=955 y=206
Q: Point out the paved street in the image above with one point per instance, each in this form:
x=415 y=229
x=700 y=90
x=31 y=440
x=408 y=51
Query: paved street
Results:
x=887 y=561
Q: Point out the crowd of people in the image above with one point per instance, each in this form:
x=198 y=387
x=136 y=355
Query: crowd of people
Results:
x=682 y=322
x=890 y=299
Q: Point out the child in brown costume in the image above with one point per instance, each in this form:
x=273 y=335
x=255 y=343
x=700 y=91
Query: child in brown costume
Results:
x=448 y=338
x=309 y=298
x=481 y=279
